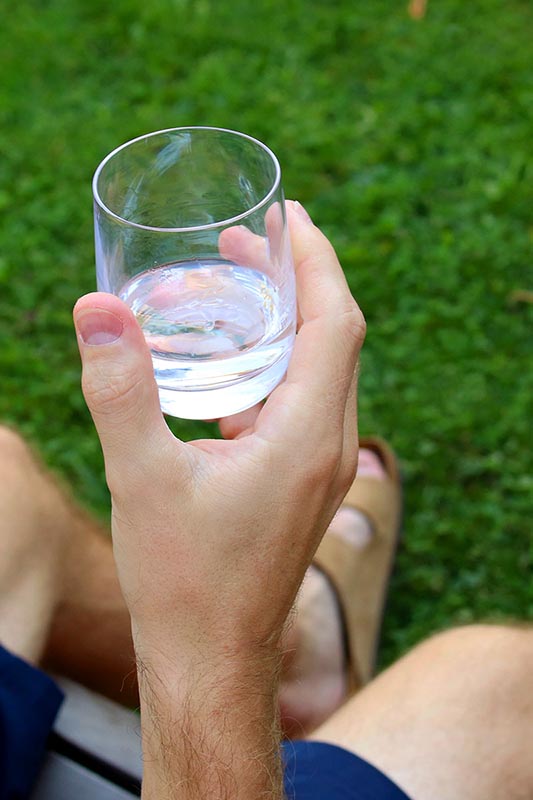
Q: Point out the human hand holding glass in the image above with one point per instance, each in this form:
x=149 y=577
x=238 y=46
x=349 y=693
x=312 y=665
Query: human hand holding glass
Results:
x=212 y=537
x=191 y=233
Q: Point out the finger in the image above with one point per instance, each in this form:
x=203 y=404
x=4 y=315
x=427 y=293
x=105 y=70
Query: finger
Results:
x=239 y=424
x=245 y=248
x=327 y=346
x=118 y=384
x=249 y=249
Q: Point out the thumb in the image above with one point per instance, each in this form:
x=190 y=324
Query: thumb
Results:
x=119 y=387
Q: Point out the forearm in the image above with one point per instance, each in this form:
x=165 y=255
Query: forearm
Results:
x=210 y=733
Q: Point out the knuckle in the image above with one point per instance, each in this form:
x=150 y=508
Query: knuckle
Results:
x=352 y=323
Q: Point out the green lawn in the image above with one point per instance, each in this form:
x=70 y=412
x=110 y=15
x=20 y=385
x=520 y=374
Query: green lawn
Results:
x=411 y=144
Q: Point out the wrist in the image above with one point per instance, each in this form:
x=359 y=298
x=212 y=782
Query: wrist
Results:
x=210 y=730
x=173 y=657
x=248 y=681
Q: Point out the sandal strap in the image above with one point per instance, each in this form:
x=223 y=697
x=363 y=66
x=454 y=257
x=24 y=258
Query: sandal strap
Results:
x=326 y=561
x=378 y=500
x=364 y=572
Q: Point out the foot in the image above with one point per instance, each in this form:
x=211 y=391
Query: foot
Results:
x=314 y=681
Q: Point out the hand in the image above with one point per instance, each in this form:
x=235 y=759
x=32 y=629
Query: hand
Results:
x=212 y=538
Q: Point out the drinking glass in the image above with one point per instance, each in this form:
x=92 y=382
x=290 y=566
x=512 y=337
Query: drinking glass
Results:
x=191 y=233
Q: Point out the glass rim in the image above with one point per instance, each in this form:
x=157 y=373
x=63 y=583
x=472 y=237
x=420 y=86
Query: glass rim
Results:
x=211 y=225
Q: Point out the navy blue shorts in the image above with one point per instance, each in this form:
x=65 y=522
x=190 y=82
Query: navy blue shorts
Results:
x=30 y=700
x=320 y=771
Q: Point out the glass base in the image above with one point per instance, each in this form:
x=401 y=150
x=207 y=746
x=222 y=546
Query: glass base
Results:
x=222 y=401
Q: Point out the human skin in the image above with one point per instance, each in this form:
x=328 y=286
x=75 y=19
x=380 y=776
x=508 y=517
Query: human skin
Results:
x=212 y=538
x=61 y=606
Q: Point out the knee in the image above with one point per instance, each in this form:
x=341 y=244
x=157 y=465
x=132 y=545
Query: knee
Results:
x=13 y=448
x=480 y=640
x=482 y=660
x=17 y=463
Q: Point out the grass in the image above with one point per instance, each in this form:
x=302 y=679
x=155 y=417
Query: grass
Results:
x=410 y=144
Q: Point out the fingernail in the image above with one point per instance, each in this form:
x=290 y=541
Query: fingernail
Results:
x=300 y=210
x=99 y=327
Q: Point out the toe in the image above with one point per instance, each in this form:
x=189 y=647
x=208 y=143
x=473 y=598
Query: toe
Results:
x=370 y=465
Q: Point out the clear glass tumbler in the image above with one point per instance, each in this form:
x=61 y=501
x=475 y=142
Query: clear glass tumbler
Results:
x=191 y=233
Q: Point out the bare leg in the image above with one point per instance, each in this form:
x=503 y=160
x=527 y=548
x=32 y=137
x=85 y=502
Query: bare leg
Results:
x=90 y=638
x=60 y=601
x=90 y=635
x=87 y=627
x=29 y=566
x=452 y=719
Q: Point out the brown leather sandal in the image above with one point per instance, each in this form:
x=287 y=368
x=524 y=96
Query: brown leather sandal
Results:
x=360 y=577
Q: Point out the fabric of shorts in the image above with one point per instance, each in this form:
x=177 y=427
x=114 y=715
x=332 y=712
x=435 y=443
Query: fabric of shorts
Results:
x=320 y=771
x=30 y=700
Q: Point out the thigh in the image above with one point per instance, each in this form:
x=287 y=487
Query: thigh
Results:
x=453 y=719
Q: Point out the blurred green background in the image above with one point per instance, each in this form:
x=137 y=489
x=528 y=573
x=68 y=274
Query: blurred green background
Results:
x=410 y=142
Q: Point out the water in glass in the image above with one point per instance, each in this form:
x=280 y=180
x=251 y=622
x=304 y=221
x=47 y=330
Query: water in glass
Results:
x=217 y=334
